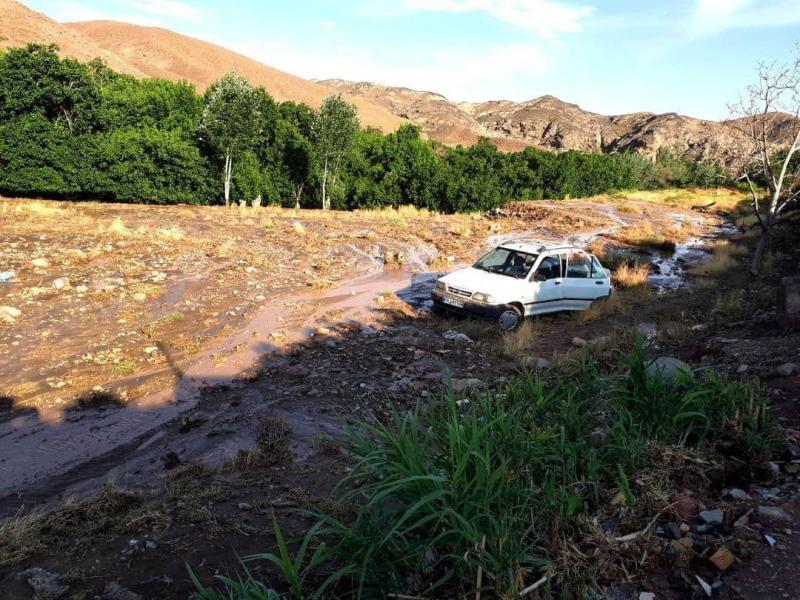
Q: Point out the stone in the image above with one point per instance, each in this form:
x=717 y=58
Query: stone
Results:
x=601 y=342
x=788 y=305
x=712 y=517
x=723 y=558
x=81 y=289
x=685 y=506
x=245 y=506
x=139 y=297
x=773 y=515
x=682 y=545
x=787 y=369
x=114 y=591
x=9 y=314
x=743 y=368
x=61 y=283
x=647 y=596
x=537 y=362
x=463 y=385
x=45 y=585
x=667 y=368
x=579 y=342
x=40 y=263
x=150 y=545
x=737 y=494
x=456 y=336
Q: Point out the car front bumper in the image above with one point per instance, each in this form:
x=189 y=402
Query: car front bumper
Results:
x=470 y=307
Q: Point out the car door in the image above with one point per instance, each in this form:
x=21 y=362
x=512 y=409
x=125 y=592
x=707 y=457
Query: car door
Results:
x=580 y=289
x=546 y=287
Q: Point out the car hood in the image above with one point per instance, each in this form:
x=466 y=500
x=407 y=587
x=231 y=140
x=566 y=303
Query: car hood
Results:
x=476 y=280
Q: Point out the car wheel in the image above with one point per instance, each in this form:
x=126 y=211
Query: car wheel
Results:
x=510 y=319
x=437 y=310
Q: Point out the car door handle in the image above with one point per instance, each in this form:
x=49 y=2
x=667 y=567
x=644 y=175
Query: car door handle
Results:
x=599 y=282
x=556 y=283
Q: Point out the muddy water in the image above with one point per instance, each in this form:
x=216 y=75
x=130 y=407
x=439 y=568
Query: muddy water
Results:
x=672 y=267
x=35 y=446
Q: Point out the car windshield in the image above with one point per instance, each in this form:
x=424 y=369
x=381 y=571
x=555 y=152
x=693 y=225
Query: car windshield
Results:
x=505 y=261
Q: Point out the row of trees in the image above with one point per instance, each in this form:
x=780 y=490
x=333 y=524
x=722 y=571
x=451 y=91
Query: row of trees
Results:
x=72 y=130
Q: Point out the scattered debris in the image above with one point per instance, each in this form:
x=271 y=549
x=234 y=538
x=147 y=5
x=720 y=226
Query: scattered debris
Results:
x=456 y=336
x=45 y=585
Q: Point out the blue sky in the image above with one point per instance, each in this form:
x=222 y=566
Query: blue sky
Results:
x=609 y=56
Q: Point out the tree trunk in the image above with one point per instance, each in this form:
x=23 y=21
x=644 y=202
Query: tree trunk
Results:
x=298 y=194
x=228 y=171
x=324 y=185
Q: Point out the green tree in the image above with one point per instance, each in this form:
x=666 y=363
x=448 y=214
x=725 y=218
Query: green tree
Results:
x=35 y=79
x=334 y=130
x=229 y=121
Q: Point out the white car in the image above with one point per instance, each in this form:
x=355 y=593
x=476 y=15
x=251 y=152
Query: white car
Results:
x=522 y=278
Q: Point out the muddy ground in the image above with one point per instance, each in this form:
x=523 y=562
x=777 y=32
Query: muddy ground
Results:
x=195 y=429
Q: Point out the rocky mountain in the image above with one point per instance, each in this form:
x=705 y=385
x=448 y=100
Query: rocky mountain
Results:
x=553 y=124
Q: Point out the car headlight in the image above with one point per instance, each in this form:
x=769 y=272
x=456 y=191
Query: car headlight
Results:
x=483 y=298
x=440 y=286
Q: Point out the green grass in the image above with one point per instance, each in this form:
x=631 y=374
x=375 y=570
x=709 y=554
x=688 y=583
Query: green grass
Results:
x=490 y=494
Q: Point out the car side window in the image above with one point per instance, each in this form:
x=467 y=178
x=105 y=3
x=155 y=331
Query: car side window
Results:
x=597 y=269
x=549 y=268
x=578 y=266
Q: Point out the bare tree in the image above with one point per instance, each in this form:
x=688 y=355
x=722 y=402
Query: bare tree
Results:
x=769 y=163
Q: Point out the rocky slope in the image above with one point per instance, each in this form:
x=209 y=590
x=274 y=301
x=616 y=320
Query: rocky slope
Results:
x=553 y=124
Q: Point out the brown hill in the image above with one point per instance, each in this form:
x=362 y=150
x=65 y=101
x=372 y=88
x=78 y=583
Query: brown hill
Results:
x=20 y=26
x=553 y=124
x=163 y=53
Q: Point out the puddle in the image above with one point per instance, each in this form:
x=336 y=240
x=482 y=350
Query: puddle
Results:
x=672 y=268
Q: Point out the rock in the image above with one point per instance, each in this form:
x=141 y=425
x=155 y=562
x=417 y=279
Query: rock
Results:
x=743 y=521
x=743 y=368
x=788 y=306
x=601 y=342
x=139 y=297
x=787 y=369
x=6 y=276
x=723 y=558
x=150 y=545
x=773 y=515
x=114 y=591
x=323 y=331
x=647 y=330
x=455 y=336
x=298 y=227
x=40 y=263
x=682 y=545
x=579 y=342
x=737 y=494
x=61 y=283
x=667 y=368
x=9 y=314
x=245 y=506
x=712 y=517
x=45 y=585
x=81 y=289
x=463 y=385
x=537 y=362
x=674 y=530
x=685 y=506
x=647 y=596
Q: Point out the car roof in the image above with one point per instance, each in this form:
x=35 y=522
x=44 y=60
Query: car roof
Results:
x=533 y=246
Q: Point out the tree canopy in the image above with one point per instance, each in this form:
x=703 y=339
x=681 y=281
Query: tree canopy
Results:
x=72 y=130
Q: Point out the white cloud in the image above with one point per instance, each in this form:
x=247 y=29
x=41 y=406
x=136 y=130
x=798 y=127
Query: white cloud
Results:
x=545 y=17
x=479 y=74
x=713 y=16
x=171 y=8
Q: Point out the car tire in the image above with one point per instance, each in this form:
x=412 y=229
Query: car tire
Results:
x=510 y=320
x=437 y=310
